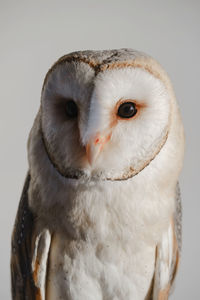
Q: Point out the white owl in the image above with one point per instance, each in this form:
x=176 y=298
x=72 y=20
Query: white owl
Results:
x=100 y=213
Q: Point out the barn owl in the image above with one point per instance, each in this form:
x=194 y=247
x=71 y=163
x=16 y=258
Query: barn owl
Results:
x=100 y=212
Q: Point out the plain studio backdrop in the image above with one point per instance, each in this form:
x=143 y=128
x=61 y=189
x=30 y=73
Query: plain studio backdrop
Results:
x=34 y=34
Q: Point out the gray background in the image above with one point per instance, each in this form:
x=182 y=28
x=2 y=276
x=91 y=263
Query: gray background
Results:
x=34 y=34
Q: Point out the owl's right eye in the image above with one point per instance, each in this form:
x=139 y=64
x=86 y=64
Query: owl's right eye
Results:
x=71 y=109
x=127 y=110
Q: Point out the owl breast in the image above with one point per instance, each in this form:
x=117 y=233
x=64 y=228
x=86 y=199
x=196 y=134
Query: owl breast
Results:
x=103 y=244
x=98 y=270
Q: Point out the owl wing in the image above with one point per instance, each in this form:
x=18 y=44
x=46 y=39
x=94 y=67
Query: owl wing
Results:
x=167 y=256
x=29 y=256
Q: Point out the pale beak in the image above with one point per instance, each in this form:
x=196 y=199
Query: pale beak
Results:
x=95 y=146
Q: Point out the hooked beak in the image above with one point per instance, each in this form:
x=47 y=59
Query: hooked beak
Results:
x=95 y=146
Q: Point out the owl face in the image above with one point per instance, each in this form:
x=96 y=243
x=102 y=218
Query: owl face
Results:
x=107 y=125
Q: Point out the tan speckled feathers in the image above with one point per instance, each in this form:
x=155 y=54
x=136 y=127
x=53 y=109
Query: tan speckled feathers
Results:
x=110 y=59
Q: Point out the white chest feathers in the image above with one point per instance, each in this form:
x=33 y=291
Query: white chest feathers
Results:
x=84 y=271
x=103 y=246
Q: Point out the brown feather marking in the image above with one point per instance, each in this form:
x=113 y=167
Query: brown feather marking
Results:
x=175 y=267
x=36 y=270
x=38 y=295
x=145 y=63
x=149 y=295
x=134 y=63
x=164 y=294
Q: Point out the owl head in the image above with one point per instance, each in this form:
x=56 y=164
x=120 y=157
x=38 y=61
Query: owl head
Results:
x=106 y=114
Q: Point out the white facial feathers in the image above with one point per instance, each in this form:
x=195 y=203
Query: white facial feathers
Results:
x=128 y=83
x=126 y=143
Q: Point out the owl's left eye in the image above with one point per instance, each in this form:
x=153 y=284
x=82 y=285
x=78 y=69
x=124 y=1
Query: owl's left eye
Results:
x=71 y=109
x=127 y=110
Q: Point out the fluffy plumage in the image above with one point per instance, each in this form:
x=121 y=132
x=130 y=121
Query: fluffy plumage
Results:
x=107 y=228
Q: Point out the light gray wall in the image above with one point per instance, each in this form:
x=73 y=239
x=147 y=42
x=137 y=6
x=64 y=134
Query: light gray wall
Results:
x=35 y=33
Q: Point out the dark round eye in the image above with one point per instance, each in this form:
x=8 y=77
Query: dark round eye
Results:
x=127 y=110
x=71 y=109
